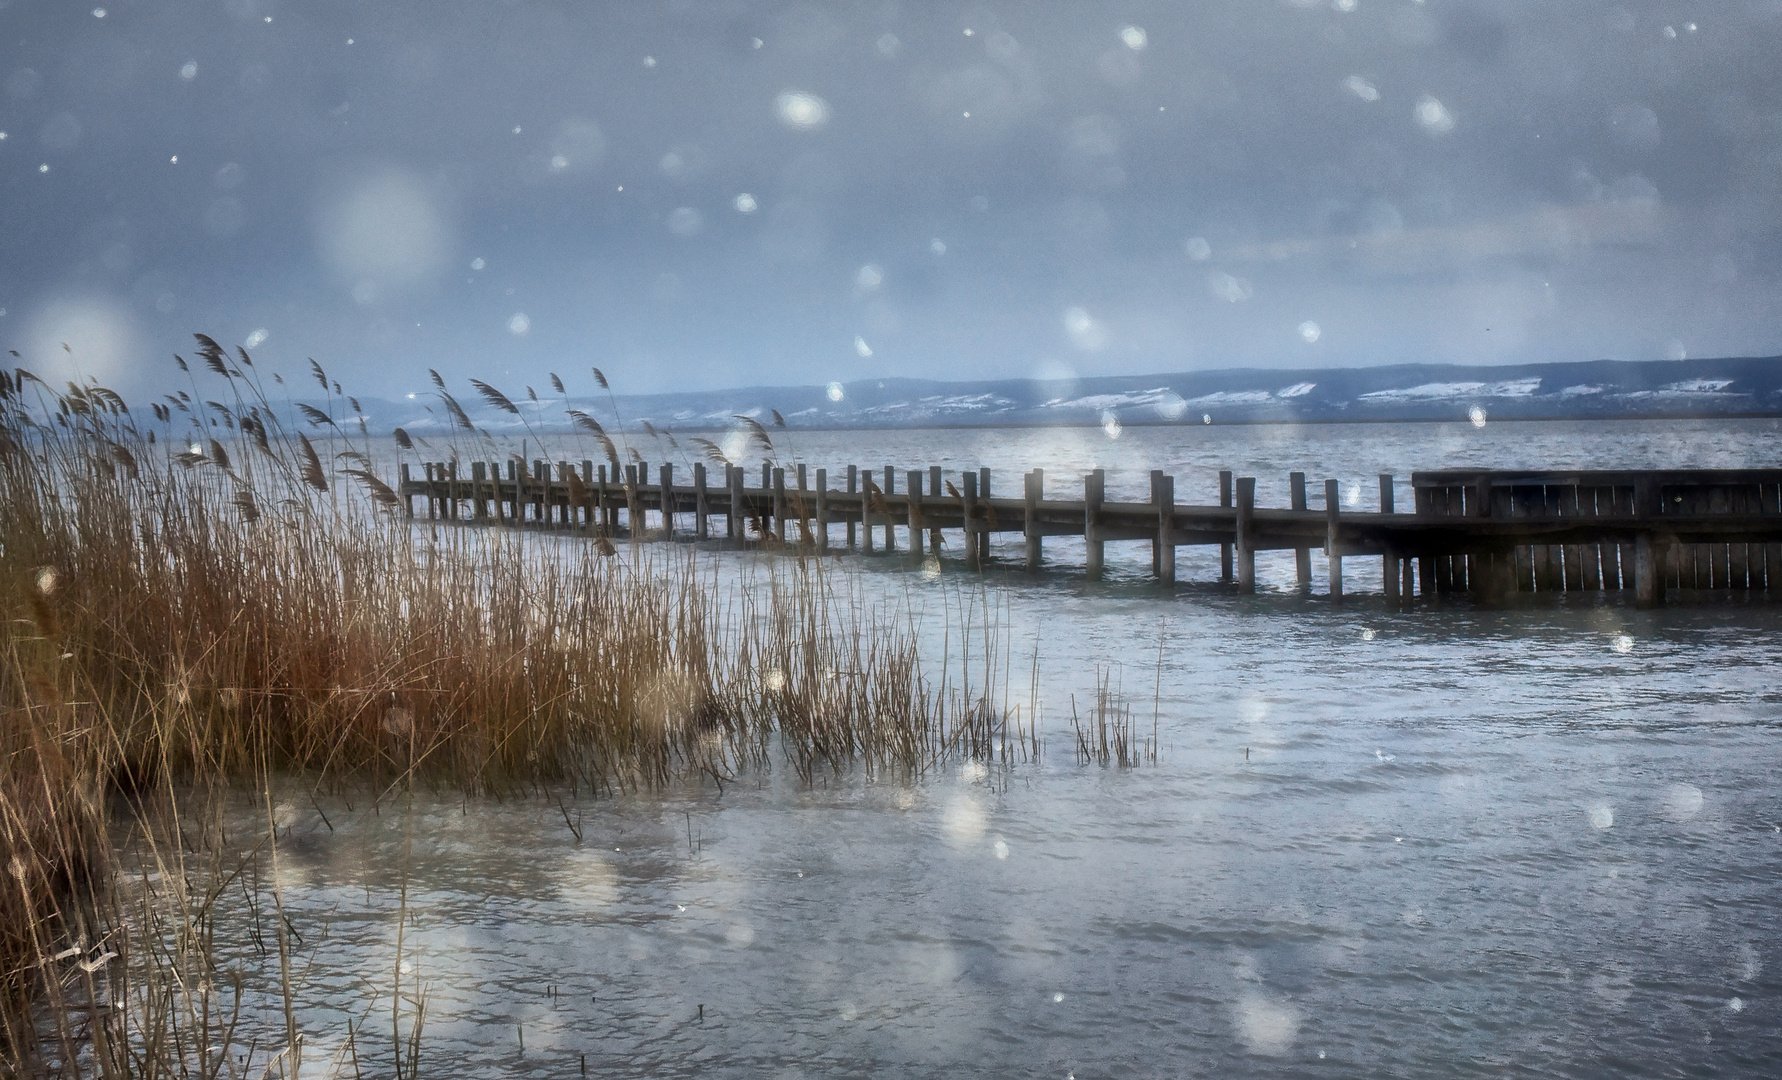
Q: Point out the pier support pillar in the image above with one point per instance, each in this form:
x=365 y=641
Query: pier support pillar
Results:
x=1156 y=541
x=970 y=515
x=408 y=498
x=823 y=511
x=609 y=509
x=1164 y=492
x=1225 y=549
x=566 y=511
x=1094 y=487
x=701 y=523
x=1245 y=540
x=1648 y=571
x=854 y=489
x=867 y=489
x=586 y=511
x=801 y=508
x=516 y=482
x=917 y=517
x=1333 y=548
x=1036 y=489
x=1388 y=556
x=779 y=505
x=989 y=512
x=935 y=480
x=1302 y=557
x=737 y=522
x=668 y=502
x=633 y=505
x=1478 y=505
x=890 y=518
x=596 y=504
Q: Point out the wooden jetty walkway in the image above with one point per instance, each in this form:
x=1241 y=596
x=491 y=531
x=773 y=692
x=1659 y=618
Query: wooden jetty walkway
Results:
x=1486 y=534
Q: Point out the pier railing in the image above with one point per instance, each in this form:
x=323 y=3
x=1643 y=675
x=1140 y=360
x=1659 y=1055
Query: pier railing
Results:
x=1484 y=533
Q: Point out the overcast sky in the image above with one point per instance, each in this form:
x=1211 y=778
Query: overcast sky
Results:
x=710 y=194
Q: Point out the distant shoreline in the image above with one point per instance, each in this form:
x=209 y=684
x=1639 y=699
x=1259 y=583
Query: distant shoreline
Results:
x=1661 y=390
x=1257 y=422
x=1089 y=425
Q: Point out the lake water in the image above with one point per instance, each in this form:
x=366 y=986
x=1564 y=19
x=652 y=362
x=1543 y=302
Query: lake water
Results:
x=1544 y=840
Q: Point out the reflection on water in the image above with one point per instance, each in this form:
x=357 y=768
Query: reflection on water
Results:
x=1436 y=842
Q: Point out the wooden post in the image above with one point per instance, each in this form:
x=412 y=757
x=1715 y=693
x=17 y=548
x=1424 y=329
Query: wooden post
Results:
x=478 y=474
x=802 y=505
x=1036 y=487
x=1648 y=581
x=567 y=510
x=1302 y=557
x=1225 y=501
x=588 y=492
x=1388 y=556
x=970 y=492
x=823 y=511
x=890 y=518
x=546 y=473
x=737 y=521
x=603 y=511
x=1156 y=541
x=1333 y=551
x=1246 y=541
x=633 y=518
x=541 y=503
x=562 y=474
x=427 y=471
x=556 y=478
x=1426 y=576
x=914 y=479
x=408 y=497
x=516 y=482
x=1478 y=575
x=1094 y=486
x=865 y=510
x=1649 y=554
x=984 y=531
x=935 y=481
x=1165 y=494
x=667 y=497
x=779 y=504
x=701 y=513
x=451 y=490
x=766 y=475
x=854 y=489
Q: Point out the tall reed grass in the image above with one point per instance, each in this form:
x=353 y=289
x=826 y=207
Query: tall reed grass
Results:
x=215 y=598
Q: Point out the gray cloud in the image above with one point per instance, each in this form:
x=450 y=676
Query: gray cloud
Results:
x=1433 y=180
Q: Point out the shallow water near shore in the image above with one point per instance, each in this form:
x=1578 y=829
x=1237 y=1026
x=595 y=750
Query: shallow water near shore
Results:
x=1452 y=841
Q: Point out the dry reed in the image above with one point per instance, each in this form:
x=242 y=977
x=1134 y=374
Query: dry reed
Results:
x=209 y=599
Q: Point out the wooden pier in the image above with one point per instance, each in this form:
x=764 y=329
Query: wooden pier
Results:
x=1485 y=534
